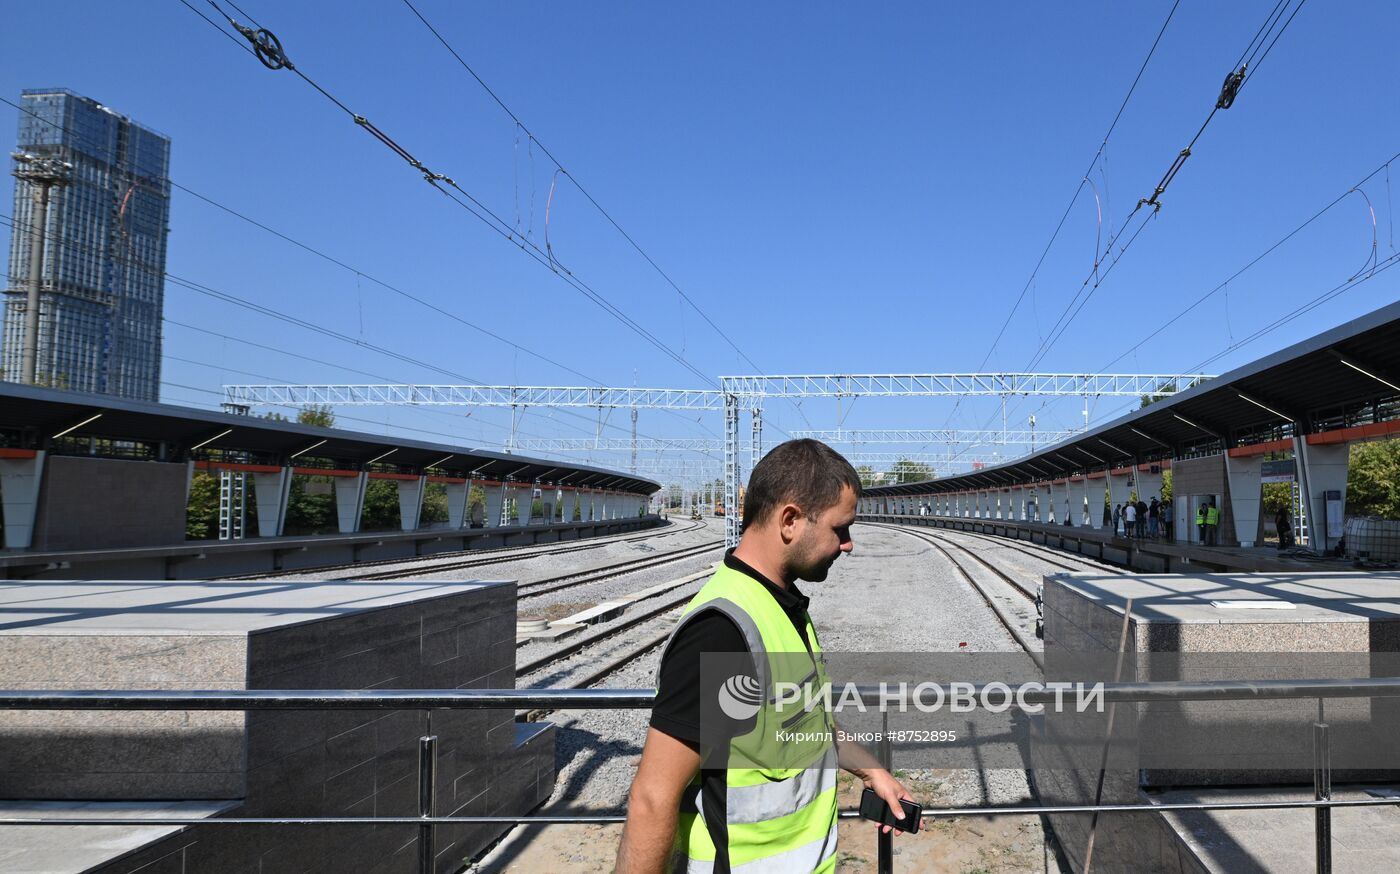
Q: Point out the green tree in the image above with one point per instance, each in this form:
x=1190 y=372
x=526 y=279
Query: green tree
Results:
x=434 y=504
x=1373 y=479
x=320 y=415
x=1163 y=392
x=381 y=506
x=311 y=506
x=476 y=497
x=906 y=471
x=202 y=510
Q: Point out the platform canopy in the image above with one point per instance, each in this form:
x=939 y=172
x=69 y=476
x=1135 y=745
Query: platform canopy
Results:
x=1344 y=381
x=66 y=422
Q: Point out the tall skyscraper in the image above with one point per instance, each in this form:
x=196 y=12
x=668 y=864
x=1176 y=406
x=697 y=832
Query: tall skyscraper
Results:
x=103 y=276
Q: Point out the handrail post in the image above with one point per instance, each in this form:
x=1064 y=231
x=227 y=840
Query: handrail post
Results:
x=427 y=791
x=1322 y=791
x=884 y=853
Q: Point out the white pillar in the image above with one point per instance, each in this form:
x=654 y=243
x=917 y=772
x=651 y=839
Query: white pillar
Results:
x=20 y=479
x=1242 y=479
x=495 y=505
x=350 y=501
x=1077 y=491
x=1093 y=496
x=457 y=496
x=524 y=498
x=271 y=491
x=1323 y=469
x=411 y=501
x=1052 y=511
x=1119 y=487
x=1149 y=485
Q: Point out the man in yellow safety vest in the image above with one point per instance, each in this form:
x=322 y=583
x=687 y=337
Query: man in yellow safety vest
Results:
x=767 y=805
x=1212 y=523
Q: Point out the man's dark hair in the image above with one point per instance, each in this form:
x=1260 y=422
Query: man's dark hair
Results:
x=807 y=473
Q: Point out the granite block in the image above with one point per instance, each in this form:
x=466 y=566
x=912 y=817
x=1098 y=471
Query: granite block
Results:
x=290 y=636
x=354 y=784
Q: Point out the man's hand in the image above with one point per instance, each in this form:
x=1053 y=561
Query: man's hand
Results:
x=861 y=762
x=890 y=790
x=653 y=804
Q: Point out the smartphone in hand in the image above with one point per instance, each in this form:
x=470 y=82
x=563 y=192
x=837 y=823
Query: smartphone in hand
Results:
x=873 y=807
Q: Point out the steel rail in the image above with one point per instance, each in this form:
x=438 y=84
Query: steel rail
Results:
x=610 y=630
x=1033 y=550
x=1007 y=622
x=428 y=568
x=594 y=575
x=489 y=556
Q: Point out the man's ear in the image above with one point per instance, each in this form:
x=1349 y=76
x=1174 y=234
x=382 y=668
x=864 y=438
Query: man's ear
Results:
x=788 y=514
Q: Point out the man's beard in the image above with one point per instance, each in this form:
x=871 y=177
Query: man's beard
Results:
x=814 y=565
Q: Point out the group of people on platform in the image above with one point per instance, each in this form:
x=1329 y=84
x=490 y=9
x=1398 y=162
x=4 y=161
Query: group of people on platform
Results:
x=1141 y=520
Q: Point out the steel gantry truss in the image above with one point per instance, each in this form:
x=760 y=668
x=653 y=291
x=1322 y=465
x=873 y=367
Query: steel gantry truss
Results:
x=935 y=435
x=620 y=444
x=736 y=393
x=747 y=389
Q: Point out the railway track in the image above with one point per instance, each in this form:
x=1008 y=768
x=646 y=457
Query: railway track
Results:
x=428 y=564
x=1010 y=623
x=604 y=635
x=536 y=588
x=1047 y=554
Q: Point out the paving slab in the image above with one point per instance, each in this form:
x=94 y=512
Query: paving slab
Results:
x=75 y=849
x=1282 y=841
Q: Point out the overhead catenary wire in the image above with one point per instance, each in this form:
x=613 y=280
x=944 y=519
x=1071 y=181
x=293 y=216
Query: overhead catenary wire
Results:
x=1384 y=167
x=560 y=169
x=1254 y=53
x=1229 y=91
x=577 y=184
x=252 y=306
x=1074 y=198
x=467 y=201
x=359 y=273
x=244 y=217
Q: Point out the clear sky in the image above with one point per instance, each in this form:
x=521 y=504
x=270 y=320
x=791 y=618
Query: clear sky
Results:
x=841 y=187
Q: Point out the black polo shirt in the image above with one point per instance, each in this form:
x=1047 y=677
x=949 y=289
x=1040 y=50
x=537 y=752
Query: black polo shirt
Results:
x=677 y=708
x=678 y=693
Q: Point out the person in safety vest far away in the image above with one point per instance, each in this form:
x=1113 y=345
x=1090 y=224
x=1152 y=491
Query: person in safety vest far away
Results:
x=728 y=779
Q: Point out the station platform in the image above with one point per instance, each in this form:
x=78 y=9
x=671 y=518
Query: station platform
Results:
x=276 y=763
x=203 y=559
x=1280 y=841
x=1150 y=556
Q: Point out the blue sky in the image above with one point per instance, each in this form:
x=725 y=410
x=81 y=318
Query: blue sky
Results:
x=843 y=187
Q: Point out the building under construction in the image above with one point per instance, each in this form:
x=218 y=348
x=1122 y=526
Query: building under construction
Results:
x=105 y=213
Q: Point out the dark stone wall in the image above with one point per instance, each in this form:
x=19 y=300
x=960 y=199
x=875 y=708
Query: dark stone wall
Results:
x=106 y=503
x=364 y=763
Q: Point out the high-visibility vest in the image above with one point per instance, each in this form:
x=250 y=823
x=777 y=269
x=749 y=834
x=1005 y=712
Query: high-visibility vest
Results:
x=1212 y=515
x=1202 y=515
x=781 y=812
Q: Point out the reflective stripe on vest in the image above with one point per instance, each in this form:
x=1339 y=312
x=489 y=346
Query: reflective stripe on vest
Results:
x=817 y=856
x=755 y=803
x=780 y=806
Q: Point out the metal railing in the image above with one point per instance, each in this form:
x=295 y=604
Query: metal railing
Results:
x=639 y=699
